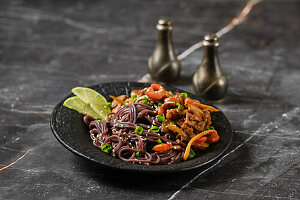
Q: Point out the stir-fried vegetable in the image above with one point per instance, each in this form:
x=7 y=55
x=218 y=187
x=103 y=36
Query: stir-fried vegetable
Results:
x=188 y=147
x=163 y=147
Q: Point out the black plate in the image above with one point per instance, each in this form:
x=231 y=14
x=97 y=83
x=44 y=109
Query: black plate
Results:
x=69 y=129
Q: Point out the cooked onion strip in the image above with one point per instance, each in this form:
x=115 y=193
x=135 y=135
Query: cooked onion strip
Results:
x=209 y=108
x=117 y=99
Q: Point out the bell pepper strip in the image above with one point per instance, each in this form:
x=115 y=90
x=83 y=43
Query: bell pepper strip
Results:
x=163 y=147
x=212 y=138
x=156 y=92
x=161 y=110
x=202 y=139
x=188 y=147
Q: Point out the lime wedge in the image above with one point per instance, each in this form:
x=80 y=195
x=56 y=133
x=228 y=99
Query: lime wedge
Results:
x=76 y=104
x=92 y=98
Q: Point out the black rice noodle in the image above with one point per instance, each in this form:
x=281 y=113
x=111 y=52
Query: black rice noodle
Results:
x=118 y=131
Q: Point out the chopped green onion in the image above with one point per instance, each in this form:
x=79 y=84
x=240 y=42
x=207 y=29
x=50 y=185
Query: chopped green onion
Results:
x=98 y=118
x=184 y=95
x=178 y=105
x=125 y=103
x=192 y=154
x=158 y=141
x=109 y=104
x=210 y=128
x=161 y=118
x=185 y=104
x=154 y=129
x=134 y=98
x=145 y=101
x=138 y=154
x=159 y=104
x=139 y=130
x=106 y=148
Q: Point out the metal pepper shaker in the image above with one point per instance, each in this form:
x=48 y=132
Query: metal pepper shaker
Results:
x=209 y=81
x=163 y=65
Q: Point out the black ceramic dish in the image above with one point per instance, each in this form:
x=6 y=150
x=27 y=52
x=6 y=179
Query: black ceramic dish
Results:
x=69 y=129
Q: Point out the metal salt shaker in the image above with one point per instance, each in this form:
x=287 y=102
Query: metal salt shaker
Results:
x=209 y=81
x=163 y=65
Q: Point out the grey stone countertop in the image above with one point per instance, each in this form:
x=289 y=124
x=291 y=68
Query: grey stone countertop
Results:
x=49 y=47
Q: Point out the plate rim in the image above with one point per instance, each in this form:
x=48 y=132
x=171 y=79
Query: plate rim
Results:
x=141 y=168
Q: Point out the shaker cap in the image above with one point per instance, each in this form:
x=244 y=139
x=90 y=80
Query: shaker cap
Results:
x=164 y=24
x=210 y=40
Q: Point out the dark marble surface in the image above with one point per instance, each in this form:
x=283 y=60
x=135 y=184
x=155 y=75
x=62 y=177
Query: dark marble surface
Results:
x=47 y=48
